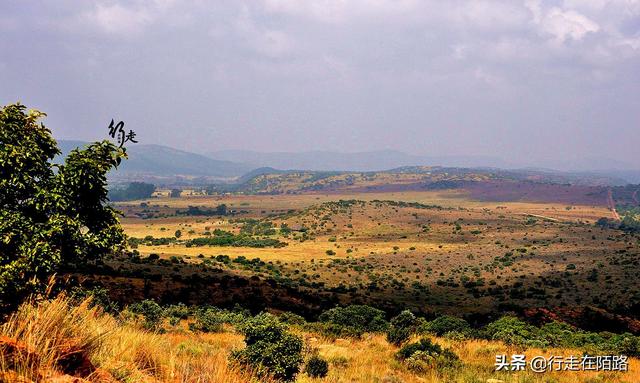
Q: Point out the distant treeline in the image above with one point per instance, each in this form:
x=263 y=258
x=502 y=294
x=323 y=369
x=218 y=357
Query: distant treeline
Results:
x=133 y=191
x=197 y=211
x=629 y=223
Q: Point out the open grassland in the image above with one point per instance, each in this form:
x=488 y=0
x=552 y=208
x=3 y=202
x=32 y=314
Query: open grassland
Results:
x=433 y=250
x=66 y=341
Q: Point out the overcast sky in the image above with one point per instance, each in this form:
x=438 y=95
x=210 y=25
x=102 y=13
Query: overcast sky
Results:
x=527 y=80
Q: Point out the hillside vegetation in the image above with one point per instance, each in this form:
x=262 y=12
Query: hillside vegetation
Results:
x=71 y=340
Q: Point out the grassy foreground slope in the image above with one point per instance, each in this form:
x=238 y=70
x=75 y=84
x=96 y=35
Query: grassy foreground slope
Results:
x=62 y=341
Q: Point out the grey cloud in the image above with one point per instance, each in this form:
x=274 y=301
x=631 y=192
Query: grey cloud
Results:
x=528 y=80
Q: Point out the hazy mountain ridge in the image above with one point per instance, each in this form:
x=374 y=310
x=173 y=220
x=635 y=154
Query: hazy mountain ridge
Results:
x=359 y=161
x=163 y=161
x=617 y=172
x=165 y=165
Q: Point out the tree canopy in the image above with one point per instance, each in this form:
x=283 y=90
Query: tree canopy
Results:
x=50 y=215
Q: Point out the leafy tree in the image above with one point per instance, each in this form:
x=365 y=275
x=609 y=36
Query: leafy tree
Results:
x=402 y=325
x=51 y=216
x=359 y=318
x=444 y=324
x=271 y=349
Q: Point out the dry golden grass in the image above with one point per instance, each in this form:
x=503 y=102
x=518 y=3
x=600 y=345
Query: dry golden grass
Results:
x=51 y=330
x=126 y=353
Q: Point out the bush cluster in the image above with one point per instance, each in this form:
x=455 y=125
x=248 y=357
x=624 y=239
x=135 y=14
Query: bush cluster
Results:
x=271 y=349
x=424 y=355
x=316 y=367
x=401 y=327
x=446 y=324
x=354 y=320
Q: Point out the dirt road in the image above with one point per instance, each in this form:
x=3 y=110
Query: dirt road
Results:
x=612 y=205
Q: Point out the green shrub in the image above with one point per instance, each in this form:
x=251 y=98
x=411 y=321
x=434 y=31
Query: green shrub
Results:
x=332 y=330
x=207 y=320
x=558 y=334
x=180 y=311
x=424 y=344
x=402 y=326
x=424 y=355
x=626 y=344
x=398 y=335
x=270 y=349
x=151 y=311
x=405 y=319
x=292 y=319
x=513 y=331
x=99 y=297
x=357 y=318
x=445 y=324
x=316 y=367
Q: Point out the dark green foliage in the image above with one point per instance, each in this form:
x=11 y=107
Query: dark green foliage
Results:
x=50 y=219
x=270 y=349
x=513 y=331
x=133 y=191
x=630 y=222
x=99 y=297
x=625 y=344
x=198 y=211
x=445 y=324
x=424 y=344
x=402 y=326
x=357 y=318
x=332 y=330
x=558 y=334
x=405 y=319
x=398 y=335
x=424 y=355
x=256 y=227
x=179 y=311
x=151 y=312
x=225 y=238
x=292 y=319
x=316 y=367
x=207 y=320
x=211 y=319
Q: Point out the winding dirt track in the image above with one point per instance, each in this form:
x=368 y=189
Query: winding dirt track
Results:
x=612 y=205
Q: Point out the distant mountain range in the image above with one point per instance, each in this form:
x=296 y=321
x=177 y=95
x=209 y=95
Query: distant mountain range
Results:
x=164 y=165
x=362 y=161
x=389 y=159
x=162 y=162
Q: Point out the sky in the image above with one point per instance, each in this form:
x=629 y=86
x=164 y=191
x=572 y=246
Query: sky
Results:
x=533 y=82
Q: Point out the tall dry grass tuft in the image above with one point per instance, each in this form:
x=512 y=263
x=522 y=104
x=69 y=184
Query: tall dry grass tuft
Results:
x=51 y=338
